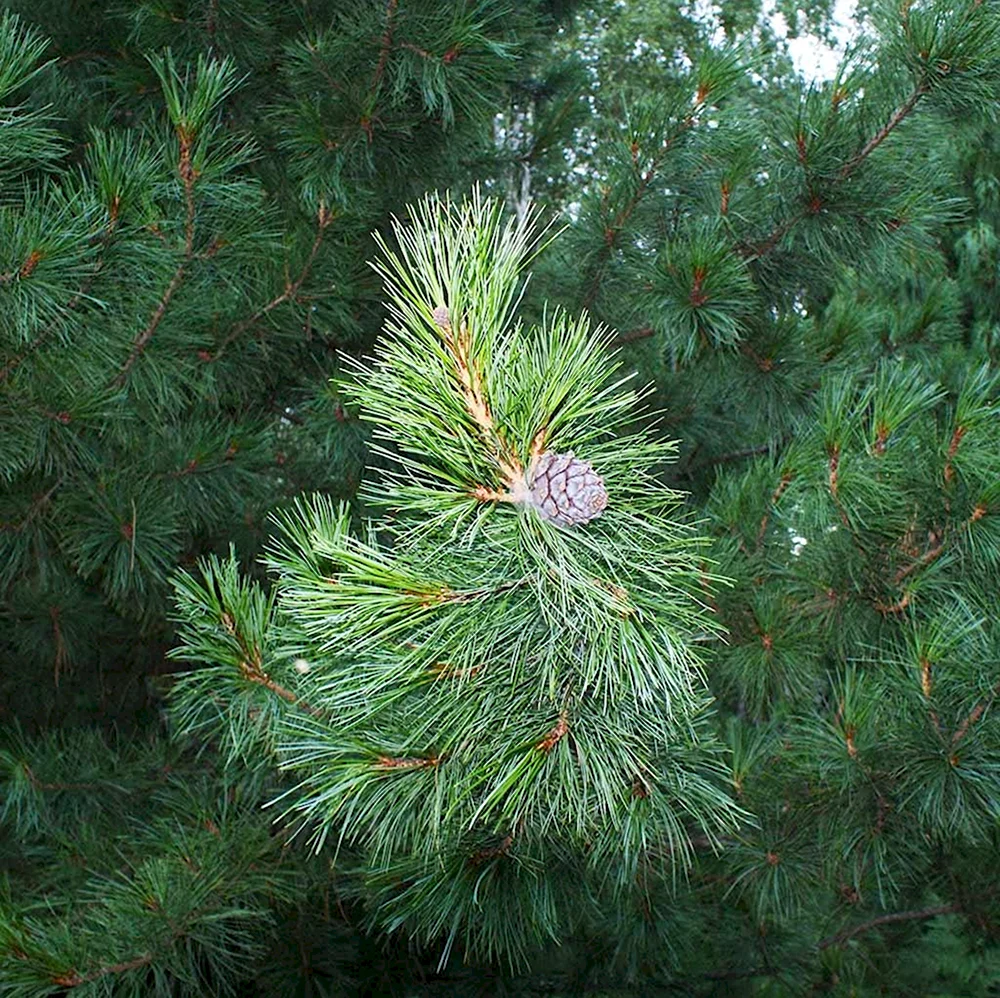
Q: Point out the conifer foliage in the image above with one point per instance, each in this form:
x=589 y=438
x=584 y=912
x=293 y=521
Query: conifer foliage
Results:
x=501 y=710
x=183 y=229
x=689 y=688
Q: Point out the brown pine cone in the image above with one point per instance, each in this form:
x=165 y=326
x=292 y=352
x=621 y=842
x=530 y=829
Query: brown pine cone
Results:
x=566 y=490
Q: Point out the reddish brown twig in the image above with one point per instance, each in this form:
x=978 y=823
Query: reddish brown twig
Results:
x=926 y=677
x=41 y=785
x=484 y=855
x=956 y=439
x=937 y=547
x=974 y=715
x=897 y=607
x=383 y=55
x=324 y=218
x=36 y=507
x=925 y=559
x=407 y=762
x=764 y=247
x=473 y=387
x=839 y=938
x=252 y=669
x=615 y=226
x=423 y=53
x=554 y=735
x=61 y=653
x=898 y=117
x=142 y=340
x=73 y=979
x=754 y=252
x=188 y=176
x=211 y=23
x=643 y=333
x=834 y=482
x=786 y=480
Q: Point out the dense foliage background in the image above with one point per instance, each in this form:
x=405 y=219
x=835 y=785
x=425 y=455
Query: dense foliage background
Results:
x=805 y=274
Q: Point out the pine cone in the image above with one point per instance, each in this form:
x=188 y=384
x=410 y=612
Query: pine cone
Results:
x=566 y=490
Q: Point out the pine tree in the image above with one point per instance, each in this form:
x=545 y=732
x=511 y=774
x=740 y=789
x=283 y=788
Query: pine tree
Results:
x=438 y=687
x=807 y=274
x=186 y=200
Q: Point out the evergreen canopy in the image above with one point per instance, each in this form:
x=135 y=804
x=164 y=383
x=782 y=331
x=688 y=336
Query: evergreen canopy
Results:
x=736 y=734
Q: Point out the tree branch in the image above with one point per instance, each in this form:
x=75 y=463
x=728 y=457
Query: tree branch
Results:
x=615 y=226
x=324 y=218
x=41 y=785
x=926 y=558
x=252 y=669
x=898 y=117
x=786 y=480
x=643 y=333
x=383 y=56
x=763 y=248
x=73 y=979
x=459 y=345
x=974 y=715
x=34 y=509
x=839 y=938
x=188 y=176
x=781 y=230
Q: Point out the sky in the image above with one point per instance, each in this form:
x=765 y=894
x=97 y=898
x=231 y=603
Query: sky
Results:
x=814 y=60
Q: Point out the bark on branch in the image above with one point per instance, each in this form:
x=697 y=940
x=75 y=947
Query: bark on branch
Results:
x=839 y=938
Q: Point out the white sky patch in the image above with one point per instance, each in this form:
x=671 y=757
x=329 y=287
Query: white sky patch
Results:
x=813 y=59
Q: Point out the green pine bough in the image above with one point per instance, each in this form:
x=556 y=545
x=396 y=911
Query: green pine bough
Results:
x=487 y=685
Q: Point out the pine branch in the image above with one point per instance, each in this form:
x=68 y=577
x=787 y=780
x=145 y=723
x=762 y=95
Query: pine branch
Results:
x=839 y=938
x=383 y=56
x=834 y=484
x=929 y=556
x=642 y=333
x=42 y=785
x=73 y=979
x=897 y=118
x=252 y=669
x=36 y=507
x=81 y=295
x=974 y=715
x=12 y=365
x=187 y=175
x=324 y=218
x=211 y=24
x=956 y=439
x=777 y=234
x=782 y=229
x=615 y=227
x=554 y=735
x=898 y=607
x=61 y=657
x=474 y=392
x=786 y=480
x=407 y=762
x=938 y=547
